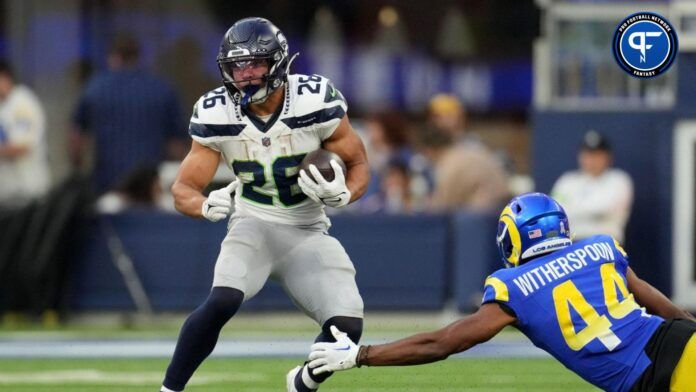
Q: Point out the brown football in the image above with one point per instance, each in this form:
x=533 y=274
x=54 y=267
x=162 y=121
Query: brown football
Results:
x=321 y=159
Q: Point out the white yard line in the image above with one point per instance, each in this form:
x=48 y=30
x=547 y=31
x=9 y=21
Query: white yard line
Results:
x=92 y=376
x=144 y=348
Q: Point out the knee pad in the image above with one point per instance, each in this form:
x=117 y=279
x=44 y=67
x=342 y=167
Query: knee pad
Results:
x=352 y=326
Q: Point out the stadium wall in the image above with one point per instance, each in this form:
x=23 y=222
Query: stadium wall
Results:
x=642 y=144
x=402 y=262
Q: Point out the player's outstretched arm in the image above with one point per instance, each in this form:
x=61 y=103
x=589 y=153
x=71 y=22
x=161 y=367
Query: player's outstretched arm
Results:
x=348 y=145
x=195 y=173
x=417 y=349
x=652 y=299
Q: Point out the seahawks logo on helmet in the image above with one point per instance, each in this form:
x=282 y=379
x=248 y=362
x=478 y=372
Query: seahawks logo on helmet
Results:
x=282 y=41
x=531 y=225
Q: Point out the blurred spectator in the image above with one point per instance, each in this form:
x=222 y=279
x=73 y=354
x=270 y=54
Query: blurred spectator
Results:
x=433 y=142
x=191 y=79
x=131 y=116
x=597 y=198
x=139 y=188
x=24 y=176
x=395 y=195
x=388 y=144
x=446 y=113
x=396 y=189
x=387 y=139
x=467 y=174
x=24 y=170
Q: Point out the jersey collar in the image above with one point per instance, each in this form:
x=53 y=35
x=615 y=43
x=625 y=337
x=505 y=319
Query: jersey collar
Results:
x=265 y=126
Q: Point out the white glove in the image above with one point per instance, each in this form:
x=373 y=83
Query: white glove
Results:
x=219 y=203
x=333 y=194
x=332 y=357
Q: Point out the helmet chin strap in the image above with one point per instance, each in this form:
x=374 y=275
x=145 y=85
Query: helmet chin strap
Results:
x=252 y=94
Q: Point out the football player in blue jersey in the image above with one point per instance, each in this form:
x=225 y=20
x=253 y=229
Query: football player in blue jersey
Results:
x=580 y=302
x=261 y=123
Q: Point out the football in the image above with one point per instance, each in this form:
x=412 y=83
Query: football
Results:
x=321 y=159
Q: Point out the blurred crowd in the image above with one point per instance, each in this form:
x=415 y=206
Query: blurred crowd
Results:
x=432 y=166
x=128 y=121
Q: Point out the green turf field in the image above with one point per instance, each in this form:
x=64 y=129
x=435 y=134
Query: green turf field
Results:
x=266 y=375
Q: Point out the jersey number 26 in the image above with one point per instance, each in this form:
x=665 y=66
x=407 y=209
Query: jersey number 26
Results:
x=285 y=171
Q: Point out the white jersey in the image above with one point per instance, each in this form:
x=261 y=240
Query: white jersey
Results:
x=22 y=123
x=266 y=156
x=594 y=205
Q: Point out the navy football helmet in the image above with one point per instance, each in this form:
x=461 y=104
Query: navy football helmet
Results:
x=252 y=41
x=531 y=225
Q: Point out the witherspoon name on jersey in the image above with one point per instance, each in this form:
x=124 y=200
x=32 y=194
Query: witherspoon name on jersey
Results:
x=561 y=266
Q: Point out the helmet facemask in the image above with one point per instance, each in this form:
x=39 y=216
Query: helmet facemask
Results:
x=251 y=42
x=244 y=89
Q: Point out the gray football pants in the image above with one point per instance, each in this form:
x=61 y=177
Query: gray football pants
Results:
x=313 y=268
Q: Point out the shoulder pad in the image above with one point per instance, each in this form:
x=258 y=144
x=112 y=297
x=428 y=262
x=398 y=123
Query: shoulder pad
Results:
x=495 y=290
x=315 y=92
x=619 y=247
x=213 y=106
x=211 y=117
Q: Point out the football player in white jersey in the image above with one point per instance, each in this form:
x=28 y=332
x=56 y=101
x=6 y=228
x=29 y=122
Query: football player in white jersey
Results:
x=262 y=123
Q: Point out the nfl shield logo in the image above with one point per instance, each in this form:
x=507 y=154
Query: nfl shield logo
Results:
x=266 y=141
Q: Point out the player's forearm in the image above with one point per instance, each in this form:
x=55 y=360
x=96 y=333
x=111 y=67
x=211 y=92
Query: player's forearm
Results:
x=671 y=310
x=414 y=350
x=434 y=346
x=656 y=302
x=357 y=179
x=187 y=199
x=667 y=309
x=662 y=306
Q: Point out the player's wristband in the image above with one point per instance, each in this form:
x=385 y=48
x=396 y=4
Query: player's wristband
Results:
x=363 y=353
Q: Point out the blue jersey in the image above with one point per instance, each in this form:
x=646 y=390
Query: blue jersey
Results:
x=574 y=304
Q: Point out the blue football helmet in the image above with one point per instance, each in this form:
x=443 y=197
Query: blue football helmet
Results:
x=531 y=225
x=250 y=41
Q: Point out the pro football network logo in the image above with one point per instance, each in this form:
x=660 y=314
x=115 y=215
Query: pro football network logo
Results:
x=645 y=45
